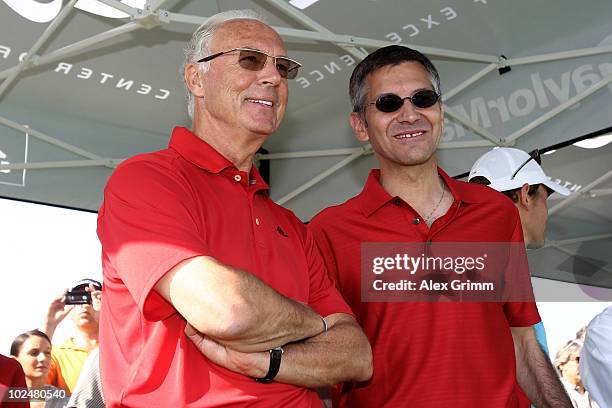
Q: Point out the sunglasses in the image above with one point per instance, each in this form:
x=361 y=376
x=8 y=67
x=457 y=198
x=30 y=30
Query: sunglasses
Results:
x=391 y=102
x=255 y=60
x=533 y=155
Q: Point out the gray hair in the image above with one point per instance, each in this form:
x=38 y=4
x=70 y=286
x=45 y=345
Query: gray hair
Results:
x=197 y=47
x=390 y=55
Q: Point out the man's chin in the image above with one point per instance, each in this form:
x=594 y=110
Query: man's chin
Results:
x=85 y=324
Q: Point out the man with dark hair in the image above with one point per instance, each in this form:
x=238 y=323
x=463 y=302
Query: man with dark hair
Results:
x=214 y=295
x=426 y=354
x=519 y=176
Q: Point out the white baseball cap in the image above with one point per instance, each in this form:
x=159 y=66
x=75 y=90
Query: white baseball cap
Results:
x=83 y=283
x=500 y=166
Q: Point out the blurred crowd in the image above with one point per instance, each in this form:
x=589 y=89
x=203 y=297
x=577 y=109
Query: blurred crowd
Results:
x=57 y=375
x=584 y=364
x=567 y=363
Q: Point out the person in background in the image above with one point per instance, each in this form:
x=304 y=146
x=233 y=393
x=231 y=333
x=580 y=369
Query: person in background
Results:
x=596 y=358
x=69 y=357
x=88 y=390
x=12 y=377
x=33 y=351
x=520 y=177
x=581 y=334
x=567 y=363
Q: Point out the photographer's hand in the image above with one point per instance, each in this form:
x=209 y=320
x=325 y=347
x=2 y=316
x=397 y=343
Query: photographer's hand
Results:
x=56 y=312
x=96 y=297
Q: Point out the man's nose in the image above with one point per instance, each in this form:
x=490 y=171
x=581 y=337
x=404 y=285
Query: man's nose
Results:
x=269 y=73
x=408 y=113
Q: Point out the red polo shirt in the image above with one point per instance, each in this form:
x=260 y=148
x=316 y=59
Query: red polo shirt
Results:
x=427 y=354
x=160 y=209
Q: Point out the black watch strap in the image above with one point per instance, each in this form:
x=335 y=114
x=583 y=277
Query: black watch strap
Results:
x=275 y=362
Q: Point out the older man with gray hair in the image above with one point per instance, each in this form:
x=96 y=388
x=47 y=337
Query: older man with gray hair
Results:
x=215 y=295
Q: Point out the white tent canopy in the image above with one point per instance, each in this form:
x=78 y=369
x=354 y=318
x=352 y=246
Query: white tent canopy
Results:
x=86 y=84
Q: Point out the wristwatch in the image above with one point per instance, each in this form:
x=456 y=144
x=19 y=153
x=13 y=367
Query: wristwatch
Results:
x=275 y=362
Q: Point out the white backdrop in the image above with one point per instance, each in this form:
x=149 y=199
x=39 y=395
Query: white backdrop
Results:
x=42 y=251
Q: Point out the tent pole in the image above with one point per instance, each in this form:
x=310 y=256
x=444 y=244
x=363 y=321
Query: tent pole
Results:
x=155 y=4
x=473 y=79
x=321 y=176
x=55 y=24
x=474 y=126
x=352 y=41
x=117 y=5
x=603 y=192
x=310 y=153
x=111 y=163
x=342 y=152
x=554 y=112
x=71 y=49
x=577 y=240
x=555 y=56
x=303 y=19
x=468 y=144
x=583 y=192
x=48 y=139
x=595 y=193
x=365 y=42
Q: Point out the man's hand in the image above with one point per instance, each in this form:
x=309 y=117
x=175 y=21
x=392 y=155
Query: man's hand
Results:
x=56 y=312
x=342 y=354
x=249 y=364
x=535 y=374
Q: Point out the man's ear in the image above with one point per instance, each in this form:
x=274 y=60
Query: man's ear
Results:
x=523 y=196
x=194 y=80
x=359 y=126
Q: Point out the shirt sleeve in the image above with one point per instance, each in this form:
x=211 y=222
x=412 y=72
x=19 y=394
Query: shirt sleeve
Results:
x=147 y=225
x=520 y=314
x=325 y=249
x=324 y=297
x=11 y=376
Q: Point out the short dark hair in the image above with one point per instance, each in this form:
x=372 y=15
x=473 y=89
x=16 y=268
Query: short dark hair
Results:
x=19 y=340
x=512 y=194
x=390 y=55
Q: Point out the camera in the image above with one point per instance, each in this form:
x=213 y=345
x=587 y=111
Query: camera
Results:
x=77 y=297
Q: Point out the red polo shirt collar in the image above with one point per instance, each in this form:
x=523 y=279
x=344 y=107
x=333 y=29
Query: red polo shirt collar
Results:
x=197 y=151
x=374 y=196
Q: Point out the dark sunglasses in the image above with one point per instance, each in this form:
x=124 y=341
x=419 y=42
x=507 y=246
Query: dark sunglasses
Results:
x=255 y=60
x=533 y=155
x=391 y=102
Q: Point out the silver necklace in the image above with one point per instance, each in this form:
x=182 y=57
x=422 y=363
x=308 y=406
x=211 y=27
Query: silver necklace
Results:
x=428 y=218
